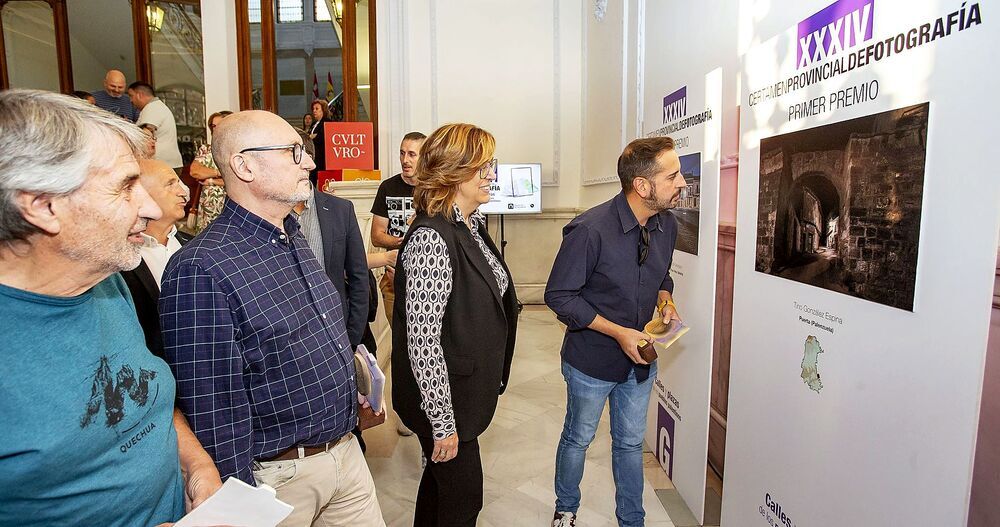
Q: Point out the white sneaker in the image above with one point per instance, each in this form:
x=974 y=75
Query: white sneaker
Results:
x=564 y=519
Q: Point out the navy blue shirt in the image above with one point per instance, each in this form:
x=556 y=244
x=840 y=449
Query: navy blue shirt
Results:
x=597 y=272
x=254 y=332
x=121 y=106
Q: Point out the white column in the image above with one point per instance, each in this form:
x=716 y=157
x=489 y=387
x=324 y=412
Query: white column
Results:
x=218 y=29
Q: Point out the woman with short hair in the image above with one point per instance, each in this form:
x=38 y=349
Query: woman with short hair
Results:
x=454 y=324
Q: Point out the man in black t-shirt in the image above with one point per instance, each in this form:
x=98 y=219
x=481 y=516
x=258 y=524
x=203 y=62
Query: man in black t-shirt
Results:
x=393 y=204
x=391 y=212
x=393 y=208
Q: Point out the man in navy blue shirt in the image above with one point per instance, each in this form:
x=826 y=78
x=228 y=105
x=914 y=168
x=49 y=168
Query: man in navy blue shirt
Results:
x=113 y=98
x=254 y=332
x=611 y=270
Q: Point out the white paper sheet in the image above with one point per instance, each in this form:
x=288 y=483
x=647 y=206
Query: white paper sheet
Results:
x=239 y=505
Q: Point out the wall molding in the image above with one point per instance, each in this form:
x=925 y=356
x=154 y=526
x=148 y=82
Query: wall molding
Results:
x=584 y=91
x=587 y=181
x=601 y=180
x=555 y=213
x=640 y=69
x=402 y=97
x=355 y=189
x=624 y=123
x=432 y=34
x=553 y=179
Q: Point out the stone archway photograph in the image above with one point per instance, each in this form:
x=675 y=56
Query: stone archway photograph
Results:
x=839 y=205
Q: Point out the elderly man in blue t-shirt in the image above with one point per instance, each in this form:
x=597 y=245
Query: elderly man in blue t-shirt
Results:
x=88 y=430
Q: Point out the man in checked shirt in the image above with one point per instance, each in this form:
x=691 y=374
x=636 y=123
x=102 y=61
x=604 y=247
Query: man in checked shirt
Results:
x=254 y=332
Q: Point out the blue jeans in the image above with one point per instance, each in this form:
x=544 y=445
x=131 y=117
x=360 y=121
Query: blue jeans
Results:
x=585 y=398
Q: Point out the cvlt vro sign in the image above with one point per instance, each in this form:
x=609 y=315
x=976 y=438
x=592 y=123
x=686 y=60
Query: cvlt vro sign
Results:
x=349 y=145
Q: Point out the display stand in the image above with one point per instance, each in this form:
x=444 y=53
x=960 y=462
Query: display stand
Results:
x=503 y=240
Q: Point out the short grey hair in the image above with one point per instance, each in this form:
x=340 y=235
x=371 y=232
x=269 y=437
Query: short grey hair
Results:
x=47 y=146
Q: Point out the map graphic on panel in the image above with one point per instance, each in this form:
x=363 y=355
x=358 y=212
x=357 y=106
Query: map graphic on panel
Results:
x=839 y=205
x=810 y=364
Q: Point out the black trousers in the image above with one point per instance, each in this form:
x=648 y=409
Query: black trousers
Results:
x=451 y=493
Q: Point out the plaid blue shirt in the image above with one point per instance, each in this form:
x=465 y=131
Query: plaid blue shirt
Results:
x=254 y=333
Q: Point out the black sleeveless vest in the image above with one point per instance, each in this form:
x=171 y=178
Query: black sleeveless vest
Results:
x=477 y=334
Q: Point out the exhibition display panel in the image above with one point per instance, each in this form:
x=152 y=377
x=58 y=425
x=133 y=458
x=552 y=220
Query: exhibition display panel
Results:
x=866 y=239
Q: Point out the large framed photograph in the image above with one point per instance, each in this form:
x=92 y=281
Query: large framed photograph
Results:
x=839 y=205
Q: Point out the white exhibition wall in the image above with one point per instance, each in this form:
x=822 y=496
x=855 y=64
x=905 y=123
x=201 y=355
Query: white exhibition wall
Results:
x=862 y=293
x=690 y=38
x=688 y=110
x=513 y=68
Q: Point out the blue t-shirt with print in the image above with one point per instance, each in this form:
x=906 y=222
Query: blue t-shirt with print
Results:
x=86 y=427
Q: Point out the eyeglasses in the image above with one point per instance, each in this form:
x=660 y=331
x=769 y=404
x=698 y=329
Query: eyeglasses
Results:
x=490 y=169
x=643 y=243
x=296 y=149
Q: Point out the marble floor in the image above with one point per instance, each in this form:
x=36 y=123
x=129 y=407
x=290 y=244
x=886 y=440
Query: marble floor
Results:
x=519 y=448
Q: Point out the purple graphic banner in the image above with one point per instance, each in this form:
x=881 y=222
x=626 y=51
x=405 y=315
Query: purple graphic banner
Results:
x=675 y=105
x=665 y=429
x=837 y=27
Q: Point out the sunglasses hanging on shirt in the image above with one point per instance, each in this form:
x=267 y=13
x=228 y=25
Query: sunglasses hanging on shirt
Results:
x=643 y=243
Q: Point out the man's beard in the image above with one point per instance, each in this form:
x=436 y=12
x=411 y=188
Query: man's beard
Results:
x=657 y=205
x=292 y=197
x=97 y=253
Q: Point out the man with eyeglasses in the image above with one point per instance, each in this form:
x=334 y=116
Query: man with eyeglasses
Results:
x=612 y=270
x=255 y=333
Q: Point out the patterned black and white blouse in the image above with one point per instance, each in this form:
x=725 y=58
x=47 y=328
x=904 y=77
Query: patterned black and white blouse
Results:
x=428 y=286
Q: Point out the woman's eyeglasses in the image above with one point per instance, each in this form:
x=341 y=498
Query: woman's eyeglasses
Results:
x=296 y=149
x=490 y=169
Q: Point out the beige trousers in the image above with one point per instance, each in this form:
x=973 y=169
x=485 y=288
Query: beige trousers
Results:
x=388 y=296
x=333 y=488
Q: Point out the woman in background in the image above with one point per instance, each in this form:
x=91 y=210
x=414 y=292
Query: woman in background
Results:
x=213 y=191
x=454 y=323
x=321 y=114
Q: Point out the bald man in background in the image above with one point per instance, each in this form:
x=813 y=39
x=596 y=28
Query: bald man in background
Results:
x=160 y=241
x=113 y=97
x=255 y=334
